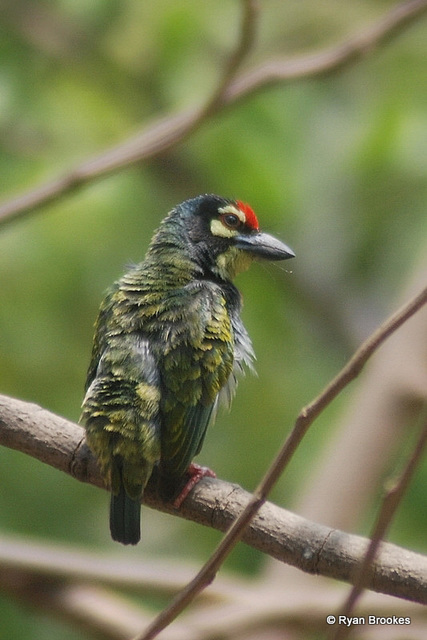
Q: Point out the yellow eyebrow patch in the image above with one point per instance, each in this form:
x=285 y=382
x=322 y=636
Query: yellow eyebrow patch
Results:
x=218 y=229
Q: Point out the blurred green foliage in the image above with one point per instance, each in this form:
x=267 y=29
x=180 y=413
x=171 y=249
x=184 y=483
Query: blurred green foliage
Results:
x=336 y=167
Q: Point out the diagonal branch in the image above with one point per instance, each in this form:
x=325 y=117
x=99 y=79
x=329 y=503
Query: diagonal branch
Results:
x=304 y=420
x=162 y=135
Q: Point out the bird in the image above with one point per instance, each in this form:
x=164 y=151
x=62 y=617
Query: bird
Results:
x=169 y=343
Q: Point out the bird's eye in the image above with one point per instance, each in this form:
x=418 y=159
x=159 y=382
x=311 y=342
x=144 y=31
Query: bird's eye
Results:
x=230 y=220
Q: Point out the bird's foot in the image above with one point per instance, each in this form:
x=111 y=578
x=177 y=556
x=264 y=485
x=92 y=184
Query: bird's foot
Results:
x=195 y=473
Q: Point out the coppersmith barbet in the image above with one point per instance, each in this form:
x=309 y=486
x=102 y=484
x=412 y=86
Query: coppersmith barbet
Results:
x=168 y=343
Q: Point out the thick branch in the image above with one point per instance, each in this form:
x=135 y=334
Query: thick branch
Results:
x=215 y=503
x=164 y=134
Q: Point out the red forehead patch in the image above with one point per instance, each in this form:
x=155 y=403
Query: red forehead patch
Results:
x=251 y=219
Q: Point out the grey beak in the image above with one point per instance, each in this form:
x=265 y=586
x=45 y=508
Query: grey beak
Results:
x=263 y=245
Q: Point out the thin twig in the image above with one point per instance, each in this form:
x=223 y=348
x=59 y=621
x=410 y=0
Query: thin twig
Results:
x=390 y=503
x=304 y=420
x=166 y=133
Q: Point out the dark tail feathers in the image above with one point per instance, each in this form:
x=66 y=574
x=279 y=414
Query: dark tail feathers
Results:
x=125 y=515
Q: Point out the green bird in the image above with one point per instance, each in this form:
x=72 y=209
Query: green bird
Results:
x=168 y=344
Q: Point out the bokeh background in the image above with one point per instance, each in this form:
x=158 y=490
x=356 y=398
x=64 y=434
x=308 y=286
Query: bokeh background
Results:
x=335 y=166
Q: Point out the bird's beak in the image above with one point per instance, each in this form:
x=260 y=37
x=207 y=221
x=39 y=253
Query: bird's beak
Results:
x=263 y=245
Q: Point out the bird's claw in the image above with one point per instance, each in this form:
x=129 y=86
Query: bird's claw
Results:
x=195 y=473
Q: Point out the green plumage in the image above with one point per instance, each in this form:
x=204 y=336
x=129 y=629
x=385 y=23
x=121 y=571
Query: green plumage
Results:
x=167 y=338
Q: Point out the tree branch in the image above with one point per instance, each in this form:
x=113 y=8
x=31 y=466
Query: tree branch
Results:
x=166 y=133
x=285 y=536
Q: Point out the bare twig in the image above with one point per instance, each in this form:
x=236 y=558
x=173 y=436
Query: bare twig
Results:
x=166 y=133
x=391 y=501
x=383 y=410
x=306 y=417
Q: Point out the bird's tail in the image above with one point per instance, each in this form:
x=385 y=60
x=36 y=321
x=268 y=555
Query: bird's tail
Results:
x=125 y=516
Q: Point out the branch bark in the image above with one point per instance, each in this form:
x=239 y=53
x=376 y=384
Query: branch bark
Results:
x=161 y=135
x=285 y=536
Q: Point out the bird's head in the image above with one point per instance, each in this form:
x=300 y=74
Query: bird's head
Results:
x=220 y=235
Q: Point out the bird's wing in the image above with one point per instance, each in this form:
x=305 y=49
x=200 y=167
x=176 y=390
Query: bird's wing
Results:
x=121 y=413
x=196 y=364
